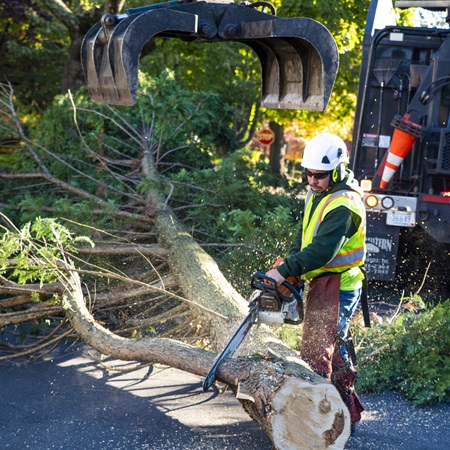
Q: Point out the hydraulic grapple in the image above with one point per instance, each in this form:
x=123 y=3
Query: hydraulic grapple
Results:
x=298 y=56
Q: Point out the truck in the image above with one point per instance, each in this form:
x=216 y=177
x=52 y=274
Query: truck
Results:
x=401 y=139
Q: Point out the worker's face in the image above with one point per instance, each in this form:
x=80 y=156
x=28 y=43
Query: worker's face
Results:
x=318 y=180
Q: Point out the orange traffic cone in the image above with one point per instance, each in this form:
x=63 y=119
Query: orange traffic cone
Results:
x=400 y=147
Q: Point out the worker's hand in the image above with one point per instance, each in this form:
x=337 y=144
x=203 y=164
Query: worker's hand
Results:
x=276 y=276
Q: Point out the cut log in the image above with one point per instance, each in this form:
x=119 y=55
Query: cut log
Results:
x=304 y=417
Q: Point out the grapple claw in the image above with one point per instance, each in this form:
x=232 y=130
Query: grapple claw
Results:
x=91 y=58
x=299 y=61
x=299 y=57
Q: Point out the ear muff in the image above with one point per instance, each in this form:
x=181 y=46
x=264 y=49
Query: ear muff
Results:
x=338 y=173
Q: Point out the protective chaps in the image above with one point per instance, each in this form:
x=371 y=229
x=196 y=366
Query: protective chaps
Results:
x=318 y=347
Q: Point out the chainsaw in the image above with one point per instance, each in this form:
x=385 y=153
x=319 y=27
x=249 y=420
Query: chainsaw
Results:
x=269 y=304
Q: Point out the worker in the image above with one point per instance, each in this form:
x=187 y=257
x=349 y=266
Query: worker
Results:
x=329 y=251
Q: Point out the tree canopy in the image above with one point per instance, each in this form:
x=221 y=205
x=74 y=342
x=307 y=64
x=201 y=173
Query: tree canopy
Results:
x=40 y=44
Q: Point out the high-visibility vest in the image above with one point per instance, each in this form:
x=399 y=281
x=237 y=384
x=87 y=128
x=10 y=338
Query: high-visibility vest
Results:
x=353 y=253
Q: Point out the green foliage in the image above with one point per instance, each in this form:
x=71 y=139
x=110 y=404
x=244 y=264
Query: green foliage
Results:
x=236 y=182
x=32 y=53
x=33 y=250
x=411 y=355
x=182 y=128
x=232 y=205
x=198 y=121
x=231 y=70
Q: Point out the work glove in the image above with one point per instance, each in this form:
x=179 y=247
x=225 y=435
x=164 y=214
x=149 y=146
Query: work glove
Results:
x=291 y=280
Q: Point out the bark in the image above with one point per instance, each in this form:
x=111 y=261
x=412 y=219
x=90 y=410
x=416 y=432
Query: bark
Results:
x=296 y=408
x=277 y=149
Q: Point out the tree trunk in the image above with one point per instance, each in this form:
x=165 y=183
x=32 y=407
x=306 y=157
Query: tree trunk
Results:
x=295 y=407
x=277 y=149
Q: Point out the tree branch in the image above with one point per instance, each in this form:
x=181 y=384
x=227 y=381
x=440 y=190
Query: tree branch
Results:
x=74 y=190
x=64 y=14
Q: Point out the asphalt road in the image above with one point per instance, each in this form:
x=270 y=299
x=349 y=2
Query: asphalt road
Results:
x=73 y=401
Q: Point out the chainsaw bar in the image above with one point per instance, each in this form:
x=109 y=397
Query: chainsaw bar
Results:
x=232 y=345
x=263 y=284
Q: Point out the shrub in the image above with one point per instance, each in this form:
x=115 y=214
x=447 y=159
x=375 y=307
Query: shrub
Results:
x=412 y=355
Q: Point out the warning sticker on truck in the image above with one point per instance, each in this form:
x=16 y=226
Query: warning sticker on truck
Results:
x=382 y=245
x=370 y=140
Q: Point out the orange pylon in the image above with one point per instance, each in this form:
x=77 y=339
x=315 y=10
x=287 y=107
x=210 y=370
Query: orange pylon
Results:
x=400 y=146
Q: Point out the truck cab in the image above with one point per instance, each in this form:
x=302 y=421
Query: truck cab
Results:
x=401 y=141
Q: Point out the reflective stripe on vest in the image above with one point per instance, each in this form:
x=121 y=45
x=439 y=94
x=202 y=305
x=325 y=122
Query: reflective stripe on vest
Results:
x=353 y=253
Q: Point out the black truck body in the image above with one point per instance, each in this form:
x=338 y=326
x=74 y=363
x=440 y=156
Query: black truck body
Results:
x=401 y=141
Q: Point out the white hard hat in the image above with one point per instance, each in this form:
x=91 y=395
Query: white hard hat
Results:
x=325 y=152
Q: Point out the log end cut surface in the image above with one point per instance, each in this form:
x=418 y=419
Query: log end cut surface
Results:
x=309 y=416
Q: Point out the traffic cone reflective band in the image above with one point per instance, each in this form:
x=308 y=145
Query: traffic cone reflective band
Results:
x=400 y=147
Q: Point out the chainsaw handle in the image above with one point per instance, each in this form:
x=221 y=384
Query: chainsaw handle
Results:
x=293 y=290
x=264 y=283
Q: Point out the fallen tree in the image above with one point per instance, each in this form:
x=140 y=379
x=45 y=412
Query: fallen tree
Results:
x=293 y=405
x=296 y=408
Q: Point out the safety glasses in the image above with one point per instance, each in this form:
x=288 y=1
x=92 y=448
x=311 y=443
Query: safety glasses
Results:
x=318 y=175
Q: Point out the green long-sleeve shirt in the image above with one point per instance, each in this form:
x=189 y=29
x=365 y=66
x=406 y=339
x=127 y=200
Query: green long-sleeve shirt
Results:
x=336 y=229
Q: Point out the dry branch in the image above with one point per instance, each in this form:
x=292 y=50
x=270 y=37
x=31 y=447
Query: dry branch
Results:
x=121 y=249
